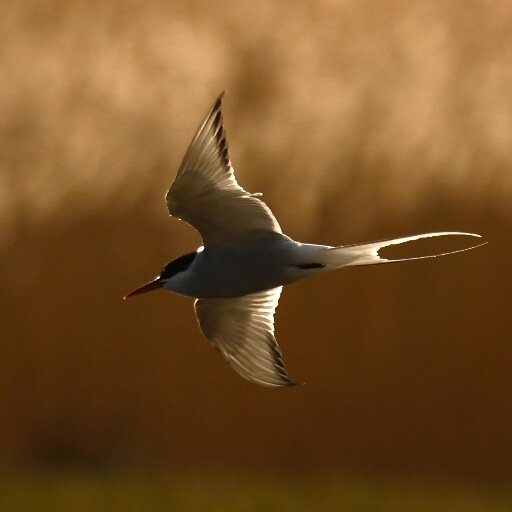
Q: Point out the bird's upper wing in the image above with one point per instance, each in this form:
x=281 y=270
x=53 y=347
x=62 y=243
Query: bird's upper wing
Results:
x=242 y=330
x=206 y=194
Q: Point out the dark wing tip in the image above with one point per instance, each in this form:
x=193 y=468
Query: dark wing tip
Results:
x=282 y=382
x=218 y=101
x=292 y=384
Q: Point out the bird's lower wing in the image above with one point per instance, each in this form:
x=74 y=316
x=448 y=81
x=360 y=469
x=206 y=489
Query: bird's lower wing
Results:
x=242 y=330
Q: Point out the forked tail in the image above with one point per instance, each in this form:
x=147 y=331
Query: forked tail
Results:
x=368 y=253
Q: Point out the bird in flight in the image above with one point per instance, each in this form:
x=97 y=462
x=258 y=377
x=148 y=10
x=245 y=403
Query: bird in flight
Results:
x=237 y=275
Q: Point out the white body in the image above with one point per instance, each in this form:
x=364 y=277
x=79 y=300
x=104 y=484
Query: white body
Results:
x=258 y=264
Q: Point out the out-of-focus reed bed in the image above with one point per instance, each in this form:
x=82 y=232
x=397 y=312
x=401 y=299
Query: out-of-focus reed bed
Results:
x=357 y=121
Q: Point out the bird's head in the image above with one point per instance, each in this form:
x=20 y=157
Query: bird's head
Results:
x=168 y=272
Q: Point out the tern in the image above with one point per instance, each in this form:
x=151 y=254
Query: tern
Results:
x=237 y=275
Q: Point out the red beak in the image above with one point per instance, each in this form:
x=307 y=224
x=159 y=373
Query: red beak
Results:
x=152 y=285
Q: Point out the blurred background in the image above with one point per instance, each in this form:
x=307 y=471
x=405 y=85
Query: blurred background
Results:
x=358 y=121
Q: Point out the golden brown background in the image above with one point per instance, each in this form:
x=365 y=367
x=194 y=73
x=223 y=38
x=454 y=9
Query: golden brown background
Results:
x=358 y=121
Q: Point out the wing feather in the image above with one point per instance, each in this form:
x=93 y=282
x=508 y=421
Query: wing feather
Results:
x=206 y=194
x=242 y=330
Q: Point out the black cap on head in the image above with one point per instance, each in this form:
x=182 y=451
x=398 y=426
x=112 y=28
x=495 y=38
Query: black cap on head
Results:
x=178 y=265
